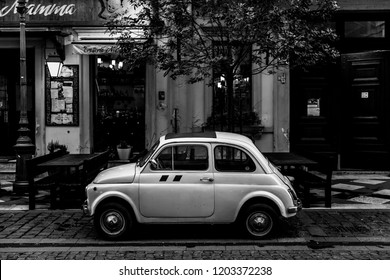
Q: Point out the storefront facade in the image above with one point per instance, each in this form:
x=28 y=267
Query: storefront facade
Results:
x=96 y=102
x=66 y=109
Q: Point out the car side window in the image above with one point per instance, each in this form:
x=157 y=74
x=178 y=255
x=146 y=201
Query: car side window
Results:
x=183 y=157
x=164 y=159
x=231 y=159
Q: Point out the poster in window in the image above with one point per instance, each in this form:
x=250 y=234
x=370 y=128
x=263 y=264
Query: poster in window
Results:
x=313 y=107
x=62 y=97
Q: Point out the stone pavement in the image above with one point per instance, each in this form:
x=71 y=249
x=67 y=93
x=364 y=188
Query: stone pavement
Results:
x=315 y=228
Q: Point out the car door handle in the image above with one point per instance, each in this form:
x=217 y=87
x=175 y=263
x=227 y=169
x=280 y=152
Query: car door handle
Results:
x=207 y=179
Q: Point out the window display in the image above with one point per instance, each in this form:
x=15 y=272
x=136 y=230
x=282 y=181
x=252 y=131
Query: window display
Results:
x=120 y=105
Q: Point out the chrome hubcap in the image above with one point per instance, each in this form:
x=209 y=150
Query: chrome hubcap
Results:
x=259 y=223
x=112 y=222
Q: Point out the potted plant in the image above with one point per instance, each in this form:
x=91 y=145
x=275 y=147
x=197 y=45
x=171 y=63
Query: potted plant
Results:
x=54 y=146
x=197 y=126
x=124 y=150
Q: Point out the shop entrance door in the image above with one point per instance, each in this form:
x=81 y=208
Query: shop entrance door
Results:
x=365 y=100
x=10 y=99
x=314 y=110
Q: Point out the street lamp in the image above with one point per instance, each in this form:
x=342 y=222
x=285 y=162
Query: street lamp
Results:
x=24 y=147
x=54 y=63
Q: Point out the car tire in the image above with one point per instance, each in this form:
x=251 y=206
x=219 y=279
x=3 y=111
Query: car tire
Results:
x=259 y=221
x=113 y=221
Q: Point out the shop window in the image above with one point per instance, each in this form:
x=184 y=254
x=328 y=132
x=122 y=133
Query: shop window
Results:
x=241 y=99
x=120 y=105
x=364 y=29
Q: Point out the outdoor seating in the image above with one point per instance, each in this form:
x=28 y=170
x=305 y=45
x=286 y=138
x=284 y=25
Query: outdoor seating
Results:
x=309 y=171
x=72 y=186
x=318 y=176
x=40 y=177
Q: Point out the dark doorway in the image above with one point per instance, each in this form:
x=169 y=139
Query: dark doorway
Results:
x=343 y=110
x=365 y=141
x=10 y=98
x=314 y=110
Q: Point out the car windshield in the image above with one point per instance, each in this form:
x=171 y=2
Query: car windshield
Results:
x=142 y=160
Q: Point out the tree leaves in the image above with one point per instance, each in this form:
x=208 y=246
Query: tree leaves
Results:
x=193 y=38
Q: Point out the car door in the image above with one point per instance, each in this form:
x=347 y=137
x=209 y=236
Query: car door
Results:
x=236 y=175
x=180 y=185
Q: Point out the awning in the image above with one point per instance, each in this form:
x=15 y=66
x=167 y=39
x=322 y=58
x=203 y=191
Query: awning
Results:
x=98 y=41
x=97 y=48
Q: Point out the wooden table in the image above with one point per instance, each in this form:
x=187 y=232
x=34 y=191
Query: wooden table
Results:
x=68 y=161
x=290 y=163
x=286 y=160
x=70 y=165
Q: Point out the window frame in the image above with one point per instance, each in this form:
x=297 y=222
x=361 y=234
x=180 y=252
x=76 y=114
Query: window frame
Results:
x=171 y=146
x=242 y=92
x=242 y=150
x=361 y=44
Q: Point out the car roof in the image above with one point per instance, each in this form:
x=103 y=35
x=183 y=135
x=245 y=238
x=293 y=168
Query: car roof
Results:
x=208 y=134
x=211 y=135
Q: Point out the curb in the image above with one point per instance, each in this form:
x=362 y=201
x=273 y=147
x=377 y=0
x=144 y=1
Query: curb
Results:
x=313 y=243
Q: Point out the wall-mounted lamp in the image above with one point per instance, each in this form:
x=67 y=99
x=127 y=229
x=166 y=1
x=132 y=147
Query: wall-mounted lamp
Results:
x=54 y=63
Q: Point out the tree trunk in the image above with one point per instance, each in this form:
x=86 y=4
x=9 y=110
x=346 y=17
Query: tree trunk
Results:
x=230 y=101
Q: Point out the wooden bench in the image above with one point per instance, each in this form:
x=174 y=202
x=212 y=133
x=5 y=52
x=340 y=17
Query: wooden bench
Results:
x=42 y=177
x=73 y=186
x=318 y=176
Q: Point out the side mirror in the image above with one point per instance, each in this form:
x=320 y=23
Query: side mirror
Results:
x=153 y=164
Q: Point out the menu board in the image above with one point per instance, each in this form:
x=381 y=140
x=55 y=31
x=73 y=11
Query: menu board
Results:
x=62 y=97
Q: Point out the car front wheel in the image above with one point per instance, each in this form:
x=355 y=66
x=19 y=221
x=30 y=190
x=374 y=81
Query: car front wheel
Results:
x=259 y=221
x=113 y=221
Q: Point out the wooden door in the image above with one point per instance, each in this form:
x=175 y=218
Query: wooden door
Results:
x=365 y=111
x=314 y=107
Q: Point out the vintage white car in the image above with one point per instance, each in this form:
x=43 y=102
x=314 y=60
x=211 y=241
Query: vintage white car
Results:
x=211 y=177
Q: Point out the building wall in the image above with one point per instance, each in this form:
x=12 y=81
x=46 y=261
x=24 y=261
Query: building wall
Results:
x=270 y=94
x=40 y=127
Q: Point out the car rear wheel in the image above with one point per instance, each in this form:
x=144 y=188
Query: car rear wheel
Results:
x=259 y=221
x=113 y=221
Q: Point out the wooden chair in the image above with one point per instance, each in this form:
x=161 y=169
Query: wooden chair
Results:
x=42 y=177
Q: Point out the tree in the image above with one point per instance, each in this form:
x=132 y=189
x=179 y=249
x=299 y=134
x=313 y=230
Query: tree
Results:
x=202 y=39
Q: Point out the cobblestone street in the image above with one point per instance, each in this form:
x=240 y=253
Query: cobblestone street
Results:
x=313 y=234
x=71 y=225
x=198 y=253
